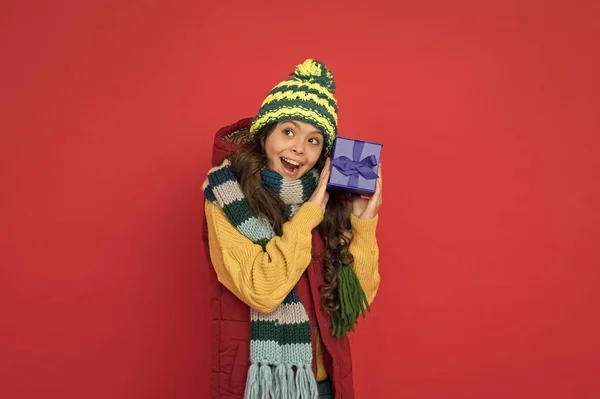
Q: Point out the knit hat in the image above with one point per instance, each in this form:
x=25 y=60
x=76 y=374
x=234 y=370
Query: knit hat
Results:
x=306 y=97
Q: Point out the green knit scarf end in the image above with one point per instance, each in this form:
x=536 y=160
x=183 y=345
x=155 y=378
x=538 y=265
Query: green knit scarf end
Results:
x=352 y=302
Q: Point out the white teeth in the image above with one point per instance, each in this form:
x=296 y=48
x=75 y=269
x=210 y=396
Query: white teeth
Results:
x=290 y=161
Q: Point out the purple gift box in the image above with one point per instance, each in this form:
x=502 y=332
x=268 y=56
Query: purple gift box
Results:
x=354 y=166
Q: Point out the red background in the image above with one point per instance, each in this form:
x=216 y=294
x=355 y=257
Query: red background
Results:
x=490 y=226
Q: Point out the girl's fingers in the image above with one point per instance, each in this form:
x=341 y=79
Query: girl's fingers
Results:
x=321 y=188
x=326 y=164
x=379 y=189
x=323 y=182
x=322 y=185
x=375 y=200
x=325 y=199
x=325 y=170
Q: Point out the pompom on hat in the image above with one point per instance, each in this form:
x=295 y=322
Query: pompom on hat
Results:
x=307 y=96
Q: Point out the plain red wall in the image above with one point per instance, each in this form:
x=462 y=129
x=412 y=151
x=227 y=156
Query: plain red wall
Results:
x=489 y=232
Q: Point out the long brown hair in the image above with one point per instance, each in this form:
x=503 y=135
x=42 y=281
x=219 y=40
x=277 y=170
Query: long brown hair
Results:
x=334 y=229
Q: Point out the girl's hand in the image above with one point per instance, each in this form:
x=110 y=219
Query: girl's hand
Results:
x=321 y=196
x=367 y=208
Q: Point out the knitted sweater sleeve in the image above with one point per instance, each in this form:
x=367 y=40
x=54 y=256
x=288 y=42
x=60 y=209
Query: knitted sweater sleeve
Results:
x=365 y=251
x=261 y=279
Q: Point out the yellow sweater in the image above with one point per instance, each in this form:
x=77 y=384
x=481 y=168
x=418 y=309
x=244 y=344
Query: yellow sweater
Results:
x=262 y=279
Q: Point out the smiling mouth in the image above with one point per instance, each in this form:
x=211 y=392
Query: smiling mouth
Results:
x=290 y=166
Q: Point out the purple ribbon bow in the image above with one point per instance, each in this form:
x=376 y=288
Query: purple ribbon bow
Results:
x=356 y=166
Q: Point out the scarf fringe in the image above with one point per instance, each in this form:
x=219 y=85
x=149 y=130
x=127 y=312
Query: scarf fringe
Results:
x=252 y=387
x=312 y=383
x=265 y=376
x=280 y=382
x=353 y=302
x=291 y=387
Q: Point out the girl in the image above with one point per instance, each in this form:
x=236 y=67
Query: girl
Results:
x=292 y=265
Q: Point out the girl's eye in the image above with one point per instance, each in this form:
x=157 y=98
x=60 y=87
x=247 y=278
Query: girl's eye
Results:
x=288 y=132
x=314 y=141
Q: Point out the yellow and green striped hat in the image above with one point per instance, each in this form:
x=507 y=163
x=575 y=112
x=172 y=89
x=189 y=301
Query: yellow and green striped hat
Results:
x=307 y=96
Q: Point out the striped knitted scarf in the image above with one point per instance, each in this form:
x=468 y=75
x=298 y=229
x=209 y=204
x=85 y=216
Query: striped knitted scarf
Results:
x=280 y=343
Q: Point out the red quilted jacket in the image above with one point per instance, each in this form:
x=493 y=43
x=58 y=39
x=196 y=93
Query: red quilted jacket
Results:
x=230 y=342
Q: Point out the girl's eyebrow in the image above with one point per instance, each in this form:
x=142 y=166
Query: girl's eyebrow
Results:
x=298 y=126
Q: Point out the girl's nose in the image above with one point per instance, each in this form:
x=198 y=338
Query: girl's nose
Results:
x=298 y=148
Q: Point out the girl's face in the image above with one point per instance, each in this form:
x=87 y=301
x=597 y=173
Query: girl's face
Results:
x=293 y=148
